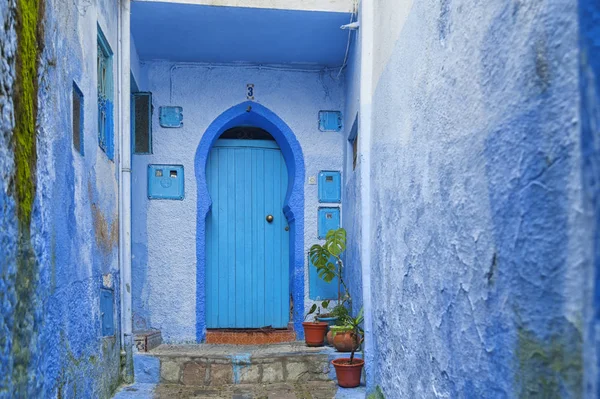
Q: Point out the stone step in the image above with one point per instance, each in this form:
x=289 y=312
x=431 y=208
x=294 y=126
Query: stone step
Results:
x=250 y=336
x=214 y=365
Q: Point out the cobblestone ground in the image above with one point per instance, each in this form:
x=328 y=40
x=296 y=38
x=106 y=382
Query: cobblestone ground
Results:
x=298 y=390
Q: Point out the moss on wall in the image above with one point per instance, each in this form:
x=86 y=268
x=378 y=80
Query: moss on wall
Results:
x=377 y=394
x=550 y=368
x=25 y=91
x=29 y=32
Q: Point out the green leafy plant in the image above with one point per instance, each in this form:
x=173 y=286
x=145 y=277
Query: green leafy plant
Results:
x=327 y=259
x=341 y=312
x=352 y=325
x=315 y=308
x=377 y=394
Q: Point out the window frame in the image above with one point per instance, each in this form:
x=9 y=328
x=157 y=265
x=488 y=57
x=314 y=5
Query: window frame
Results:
x=133 y=127
x=353 y=140
x=105 y=97
x=77 y=92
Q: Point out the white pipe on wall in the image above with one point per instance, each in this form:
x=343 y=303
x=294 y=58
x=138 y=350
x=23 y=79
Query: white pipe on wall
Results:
x=125 y=186
x=364 y=148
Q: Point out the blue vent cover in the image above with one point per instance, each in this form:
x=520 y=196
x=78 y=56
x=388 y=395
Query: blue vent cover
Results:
x=107 y=312
x=170 y=116
x=330 y=186
x=329 y=219
x=320 y=290
x=330 y=121
x=165 y=182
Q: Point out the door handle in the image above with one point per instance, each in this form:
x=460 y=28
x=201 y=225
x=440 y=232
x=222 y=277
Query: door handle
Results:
x=270 y=218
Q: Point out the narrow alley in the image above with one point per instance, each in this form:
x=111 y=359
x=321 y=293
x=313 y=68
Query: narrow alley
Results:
x=286 y=199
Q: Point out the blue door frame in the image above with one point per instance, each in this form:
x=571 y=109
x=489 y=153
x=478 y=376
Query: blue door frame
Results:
x=256 y=115
x=247 y=236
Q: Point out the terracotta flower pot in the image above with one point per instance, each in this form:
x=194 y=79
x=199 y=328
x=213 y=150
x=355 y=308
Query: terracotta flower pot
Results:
x=348 y=375
x=345 y=342
x=330 y=321
x=314 y=333
x=329 y=338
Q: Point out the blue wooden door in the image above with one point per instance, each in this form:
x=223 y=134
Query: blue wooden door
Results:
x=247 y=257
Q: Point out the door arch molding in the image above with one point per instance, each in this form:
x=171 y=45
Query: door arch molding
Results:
x=253 y=114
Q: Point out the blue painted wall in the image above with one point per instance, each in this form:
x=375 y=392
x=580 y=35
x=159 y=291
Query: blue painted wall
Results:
x=351 y=199
x=164 y=236
x=589 y=75
x=73 y=227
x=482 y=257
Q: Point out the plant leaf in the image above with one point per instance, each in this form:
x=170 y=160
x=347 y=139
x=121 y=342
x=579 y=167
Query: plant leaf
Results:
x=311 y=311
x=335 y=241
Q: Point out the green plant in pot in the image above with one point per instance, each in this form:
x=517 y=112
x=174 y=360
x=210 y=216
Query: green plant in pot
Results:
x=349 y=370
x=314 y=331
x=328 y=262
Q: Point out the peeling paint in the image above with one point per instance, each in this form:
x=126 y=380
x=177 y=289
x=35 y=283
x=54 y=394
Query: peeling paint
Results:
x=107 y=233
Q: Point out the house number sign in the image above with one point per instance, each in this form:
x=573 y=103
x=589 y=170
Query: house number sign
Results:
x=250 y=91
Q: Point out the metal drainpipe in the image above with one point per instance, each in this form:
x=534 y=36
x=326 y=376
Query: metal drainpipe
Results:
x=125 y=189
x=364 y=143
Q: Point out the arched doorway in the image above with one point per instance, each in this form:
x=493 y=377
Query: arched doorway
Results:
x=247 y=234
x=257 y=116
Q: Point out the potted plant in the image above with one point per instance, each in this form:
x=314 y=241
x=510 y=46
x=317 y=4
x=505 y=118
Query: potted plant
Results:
x=314 y=331
x=336 y=317
x=342 y=339
x=327 y=259
x=328 y=318
x=349 y=370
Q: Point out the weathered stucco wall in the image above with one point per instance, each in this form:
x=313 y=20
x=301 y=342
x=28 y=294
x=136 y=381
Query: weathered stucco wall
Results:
x=58 y=228
x=482 y=244
x=351 y=183
x=164 y=232
x=589 y=75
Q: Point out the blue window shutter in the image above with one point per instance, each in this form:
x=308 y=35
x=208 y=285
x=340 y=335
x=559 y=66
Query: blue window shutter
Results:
x=105 y=96
x=107 y=312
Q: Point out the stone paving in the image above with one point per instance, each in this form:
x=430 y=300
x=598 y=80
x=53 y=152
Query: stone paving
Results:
x=297 y=390
x=226 y=351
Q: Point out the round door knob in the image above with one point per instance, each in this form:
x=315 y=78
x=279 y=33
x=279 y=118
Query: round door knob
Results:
x=270 y=218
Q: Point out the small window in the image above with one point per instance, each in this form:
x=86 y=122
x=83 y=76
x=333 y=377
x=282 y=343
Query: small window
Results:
x=105 y=96
x=354 y=152
x=107 y=311
x=142 y=122
x=353 y=139
x=77 y=119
